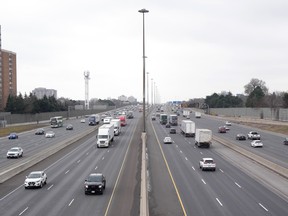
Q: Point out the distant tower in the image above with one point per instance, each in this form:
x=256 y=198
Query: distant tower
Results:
x=86 y=77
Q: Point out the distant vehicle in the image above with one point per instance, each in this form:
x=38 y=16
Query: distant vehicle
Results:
x=153 y=117
x=173 y=120
x=163 y=119
x=168 y=125
x=50 y=134
x=107 y=120
x=130 y=114
x=95 y=183
x=228 y=123
x=188 y=128
x=186 y=113
x=117 y=126
x=285 y=142
x=40 y=131
x=15 y=152
x=197 y=114
x=167 y=140
x=203 y=138
x=226 y=127
x=94 y=119
x=240 y=137
x=35 y=179
x=69 y=127
x=207 y=164
x=56 y=121
x=82 y=120
x=172 y=131
x=122 y=120
x=253 y=135
x=221 y=129
x=256 y=143
x=105 y=135
x=13 y=136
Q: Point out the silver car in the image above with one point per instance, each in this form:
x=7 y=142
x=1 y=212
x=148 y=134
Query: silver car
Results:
x=50 y=134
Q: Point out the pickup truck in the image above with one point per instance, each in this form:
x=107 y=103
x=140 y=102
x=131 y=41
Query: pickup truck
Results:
x=253 y=135
x=207 y=164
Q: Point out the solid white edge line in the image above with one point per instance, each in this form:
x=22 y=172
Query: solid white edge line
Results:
x=23 y=210
x=263 y=207
x=71 y=202
x=219 y=201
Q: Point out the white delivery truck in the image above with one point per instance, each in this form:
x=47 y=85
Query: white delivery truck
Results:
x=197 y=114
x=117 y=126
x=186 y=113
x=203 y=138
x=105 y=135
x=187 y=128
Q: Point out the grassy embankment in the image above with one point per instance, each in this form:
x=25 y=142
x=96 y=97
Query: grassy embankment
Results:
x=19 y=128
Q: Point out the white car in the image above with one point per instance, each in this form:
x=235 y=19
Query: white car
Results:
x=167 y=140
x=256 y=143
x=207 y=164
x=82 y=120
x=35 y=179
x=253 y=135
x=15 y=152
x=50 y=134
x=228 y=123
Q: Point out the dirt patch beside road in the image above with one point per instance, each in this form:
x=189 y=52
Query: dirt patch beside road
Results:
x=283 y=129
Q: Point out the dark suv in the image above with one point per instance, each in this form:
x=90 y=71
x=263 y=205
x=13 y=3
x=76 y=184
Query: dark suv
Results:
x=95 y=183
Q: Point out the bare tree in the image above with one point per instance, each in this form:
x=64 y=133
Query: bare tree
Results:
x=253 y=84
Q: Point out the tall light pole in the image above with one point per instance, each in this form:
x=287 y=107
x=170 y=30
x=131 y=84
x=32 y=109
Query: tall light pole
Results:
x=147 y=91
x=152 y=92
x=143 y=11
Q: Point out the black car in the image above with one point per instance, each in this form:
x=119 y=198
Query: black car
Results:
x=285 y=142
x=168 y=125
x=95 y=183
x=172 y=131
x=222 y=129
x=240 y=137
x=39 y=131
x=69 y=127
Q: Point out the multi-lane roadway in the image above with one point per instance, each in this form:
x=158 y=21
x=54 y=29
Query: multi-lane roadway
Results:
x=176 y=185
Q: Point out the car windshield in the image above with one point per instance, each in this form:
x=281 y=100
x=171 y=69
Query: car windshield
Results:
x=14 y=150
x=94 y=178
x=34 y=175
x=209 y=161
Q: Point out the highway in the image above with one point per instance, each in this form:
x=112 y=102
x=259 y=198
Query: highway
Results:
x=176 y=185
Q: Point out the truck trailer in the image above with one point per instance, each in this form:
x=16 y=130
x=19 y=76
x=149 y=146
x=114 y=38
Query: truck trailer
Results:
x=105 y=135
x=203 y=138
x=188 y=128
x=117 y=126
x=94 y=119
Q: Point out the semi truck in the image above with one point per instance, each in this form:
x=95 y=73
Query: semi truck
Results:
x=186 y=113
x=187 y=128
x=173 y=119
x=94 y=119
x=122 y=120
x=163 y=119
x=117 y=126
x=105 y=135
x=203 y=138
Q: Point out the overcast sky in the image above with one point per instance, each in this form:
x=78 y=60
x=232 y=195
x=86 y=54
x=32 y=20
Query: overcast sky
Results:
x=194 y=48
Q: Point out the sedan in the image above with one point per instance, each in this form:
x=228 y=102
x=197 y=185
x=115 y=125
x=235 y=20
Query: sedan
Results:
x=168 y=125
x=167 y=140
x=240 y=137
x=15 y=152
x=82 y=120
x=69 y=127
x=285 y=142
x=50 y=134
x=256 y=143
x=222 y=129
x=228 y=123
x=13 y=136
x=39 y=131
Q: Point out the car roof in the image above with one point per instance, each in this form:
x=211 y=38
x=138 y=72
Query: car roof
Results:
x=95 y=174
x=207 y=158
x=34 y=172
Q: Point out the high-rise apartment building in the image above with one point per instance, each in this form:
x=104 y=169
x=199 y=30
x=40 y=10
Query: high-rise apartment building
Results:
x=8 y=75
x=41 y=92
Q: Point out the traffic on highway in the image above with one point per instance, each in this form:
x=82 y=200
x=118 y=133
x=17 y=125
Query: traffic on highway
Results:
x=192 y=168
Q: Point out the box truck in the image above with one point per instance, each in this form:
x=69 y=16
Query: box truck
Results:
x=94 y=119
x=197 y=114
x=186 y=113
x=173 y=120
x=105 y=135
x=163 y=119
x=117 y=126
x=203 y=138
x=187 y=128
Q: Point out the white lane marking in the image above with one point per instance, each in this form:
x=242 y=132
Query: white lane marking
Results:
x=102 y=158
x=87 y=153
x=221 y=170
x=78 y=161
x=71 y=202
x=50 y=187
x=177 y=146
x=263 y=207
x=186 y=158
x=237 y=184
x=219 y=201
x=201 y=153
x=96 y=167
x=181 y=151
x=203 y=181
x=108 y=150
x=23 y=211
x=67 y=172
x=193 y=168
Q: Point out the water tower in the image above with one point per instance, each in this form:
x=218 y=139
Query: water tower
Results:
x=86 y=78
